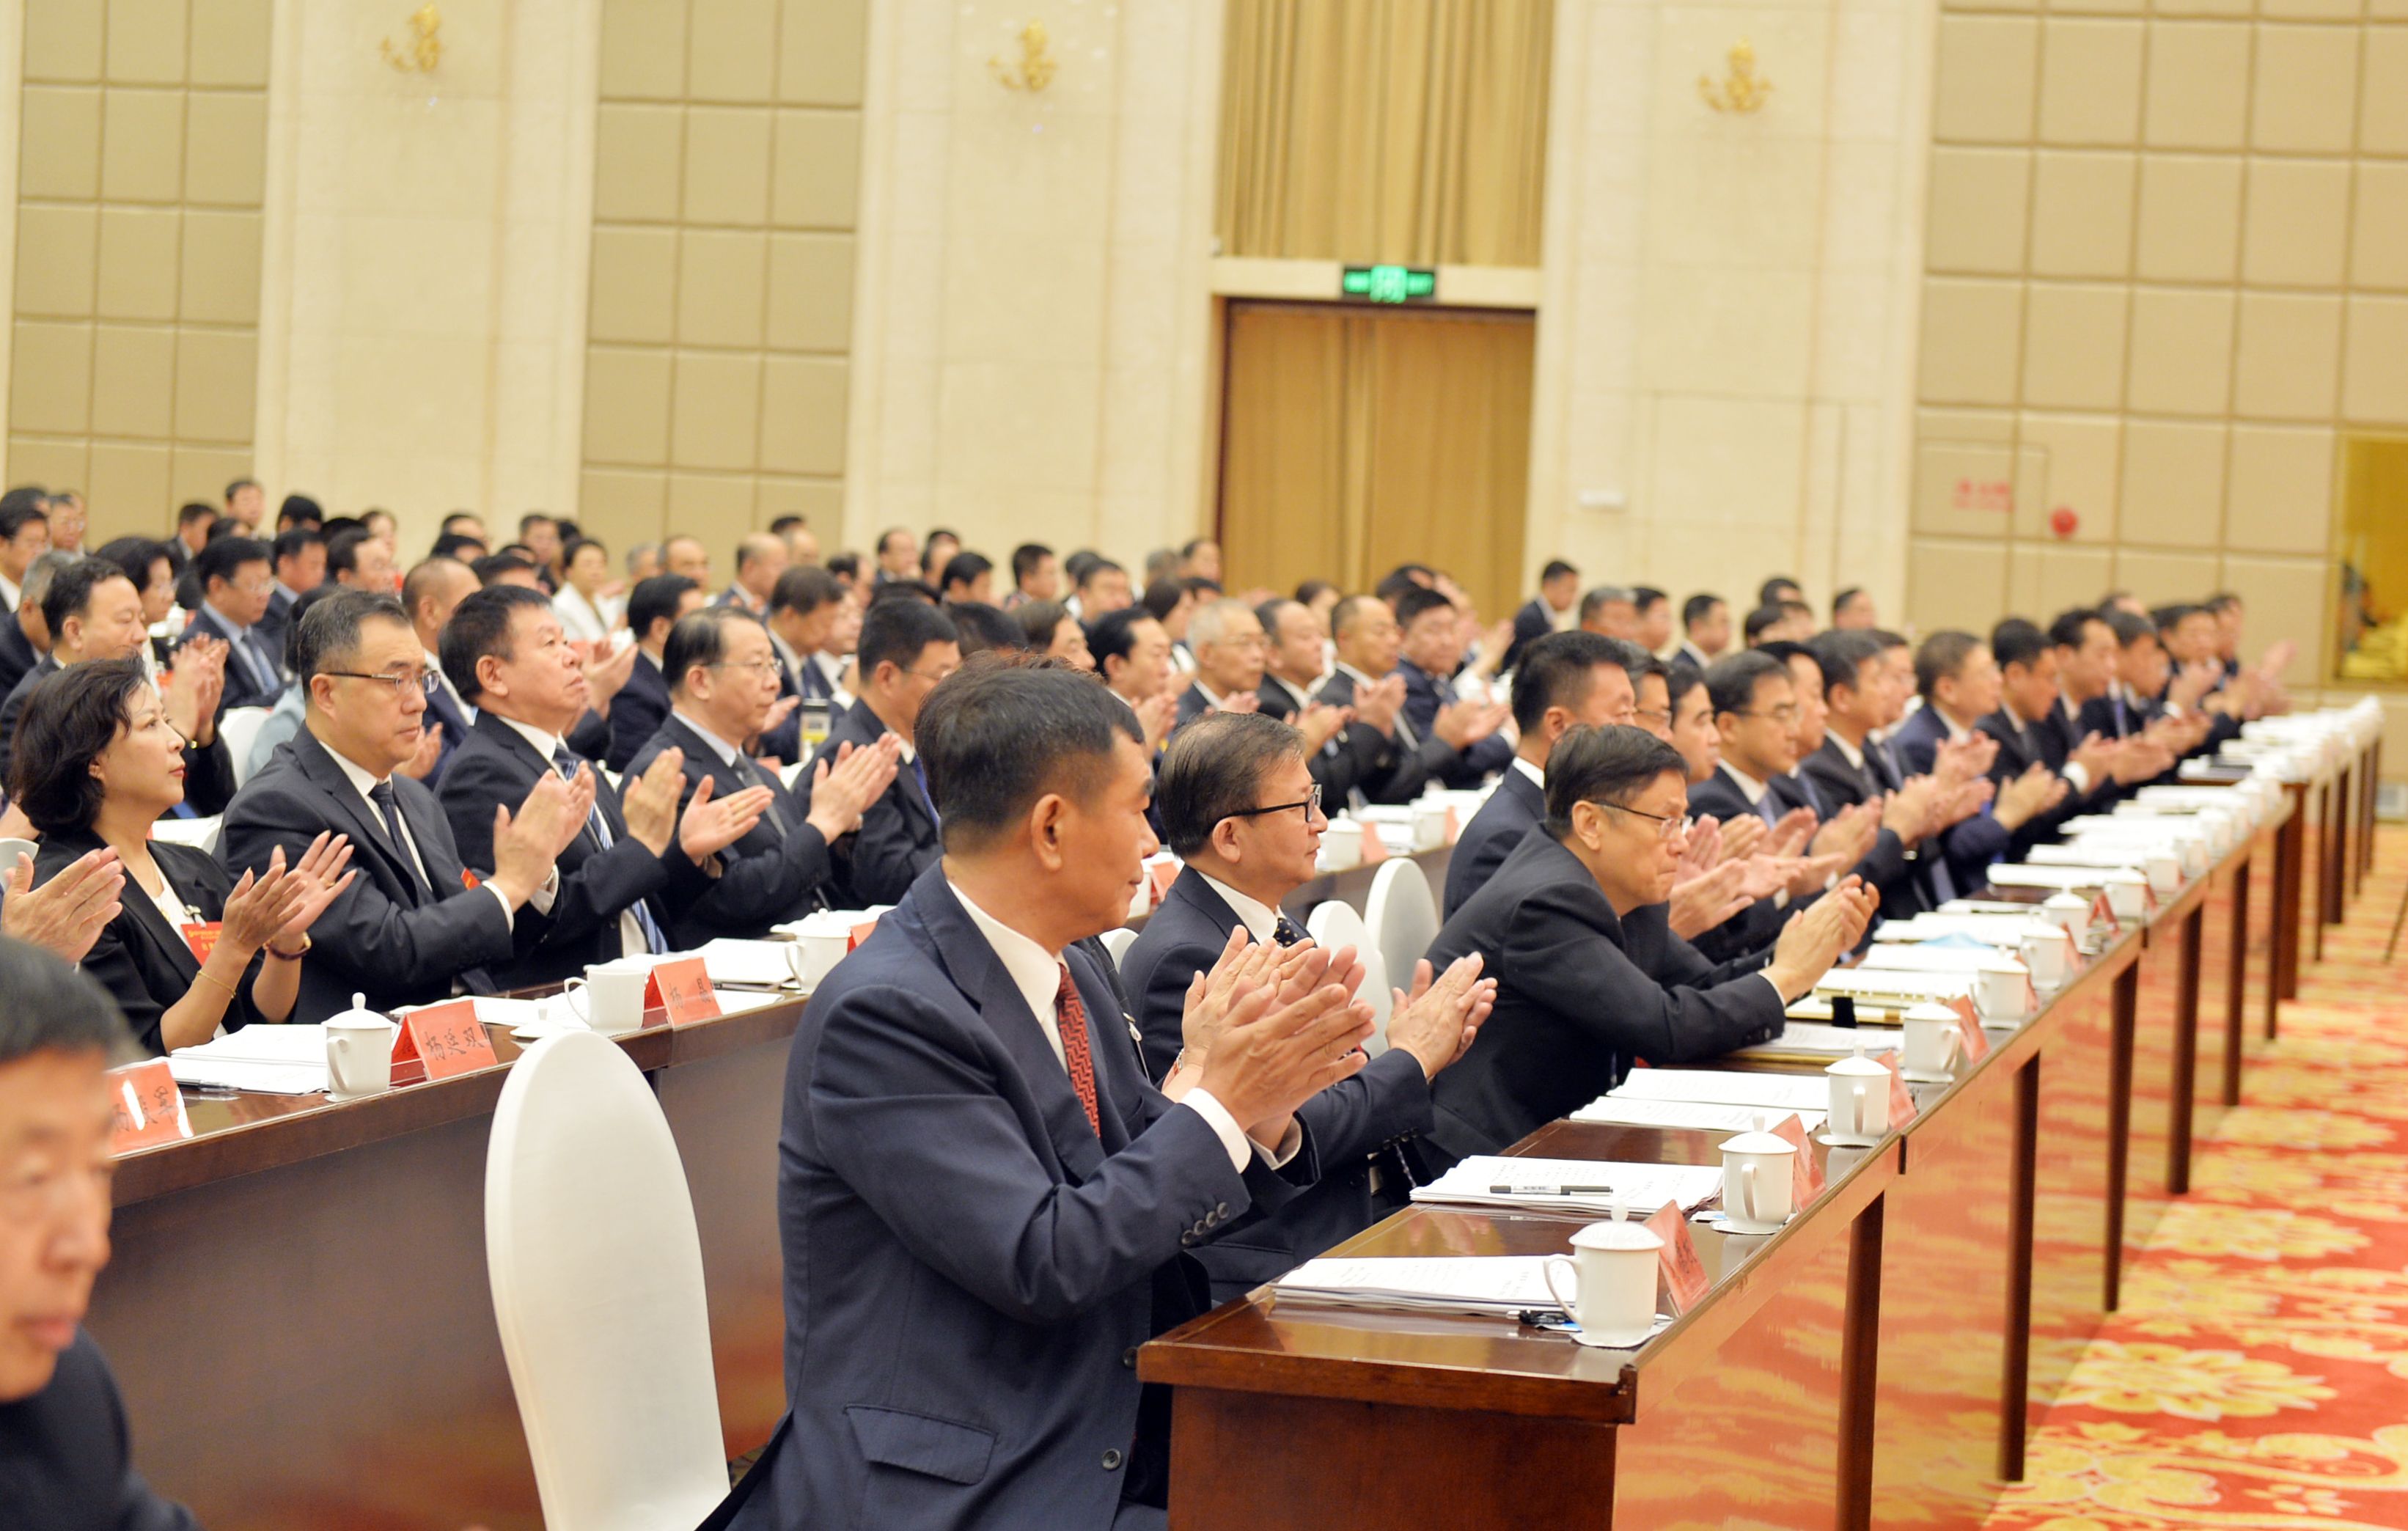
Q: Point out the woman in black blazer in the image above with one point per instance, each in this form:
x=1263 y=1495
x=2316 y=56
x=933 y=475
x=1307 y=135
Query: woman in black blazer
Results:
x=97 y=764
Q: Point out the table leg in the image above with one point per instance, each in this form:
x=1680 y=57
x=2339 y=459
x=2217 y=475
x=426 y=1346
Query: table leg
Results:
x=2291 y=853
x=2185 y=1076
x=2236 y=980
x=2119 y=1123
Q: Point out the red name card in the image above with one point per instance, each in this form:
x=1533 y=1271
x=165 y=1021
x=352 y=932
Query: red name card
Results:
x=1162 y=874
x=2103 y=913
x=1805 y=1175
x=860 y=934
x=202 y=936
x=1969 y=1030
x=1901 y=1099
x=682 y=988
x=145 y=1107
x=448 y=1039
x=1454 y=825
x=1684 y=1274
x=1375 y=850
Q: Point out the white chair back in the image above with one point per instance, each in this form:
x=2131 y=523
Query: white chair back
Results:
x=239 y=727
x=597 y=1271
x=1336 y=924
x=1402 y=917
x=10 y=850
x=200 y=833
x=1117 y=942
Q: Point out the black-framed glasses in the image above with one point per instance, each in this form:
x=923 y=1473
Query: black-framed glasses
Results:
x=1667 y=824
x=1658 y=715
x=1312 y=805
x=425 y=680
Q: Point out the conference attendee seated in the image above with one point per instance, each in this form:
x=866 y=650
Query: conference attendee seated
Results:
x=2086 y=651
x=235 y=584
x=1429 y=648
x=760 y=559
x=415 y=925
x=430 y=593
x=2025 y=725
x=300 y=560
x=1036 y=576
x=1294 y=662
x=1239 y=808
x=1755 y=716
x=1958 y=680
x=721 y=686
x=1564 y=681
x=360 y=561
x=1852 y=610
x=1228 y=643
x=1132 y=653
x=1396 y=757
x=507 y=655
x=1706 y=631
x=1654 y=620
x=642 y=705
x=985 y=1204
x=1545 y=612
x=1102 y=587
x=1047 y=628
x=147 y=564
x=97 y=764
x=905 y=649
x=587 y=612
x=24 y=536
x=25 y=637
x=1574 y=1012
x=1851 y=768
x=803 y=611
x=65 y=1454
x=1611 y=612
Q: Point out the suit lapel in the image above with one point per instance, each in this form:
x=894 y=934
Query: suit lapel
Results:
x=367 y=830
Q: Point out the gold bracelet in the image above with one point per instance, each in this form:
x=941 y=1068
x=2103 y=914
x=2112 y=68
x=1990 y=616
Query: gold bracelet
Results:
x=230 y=992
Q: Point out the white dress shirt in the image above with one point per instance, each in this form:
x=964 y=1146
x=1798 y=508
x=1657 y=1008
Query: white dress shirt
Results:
x=1537 y=776
x=1036 y=973
x=244 y=655
x=1260 y=920
x=726 y=753
x=578 y=617
x=363 y=783
x=548 y=745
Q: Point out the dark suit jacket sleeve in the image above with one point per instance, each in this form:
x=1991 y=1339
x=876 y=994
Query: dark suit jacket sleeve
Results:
x=208 y=776
x=1562 y=961
x=906 y=1111
x=592 y=737
x=604 y=884
x=885 y=861
x=1159 y=977
x=753 y=890
x=1389 y=1099
x=636 y=716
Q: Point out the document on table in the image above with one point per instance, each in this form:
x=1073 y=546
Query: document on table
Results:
x=2123 y=856
x=1694 y=1115
x=1878 y=984
x=1576 y=1185
x=1727 y=1087
x=2000 y=930
x=276 y=1060
x=1812 y=1040
x=2004 y=875
x=1904 y=958
x=1499 y=1284
x=756 y=964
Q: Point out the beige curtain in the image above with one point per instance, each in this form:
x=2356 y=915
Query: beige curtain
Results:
x=1354 y=441
x=1412 y=132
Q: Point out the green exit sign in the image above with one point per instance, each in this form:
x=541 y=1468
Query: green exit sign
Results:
x=1389 y=284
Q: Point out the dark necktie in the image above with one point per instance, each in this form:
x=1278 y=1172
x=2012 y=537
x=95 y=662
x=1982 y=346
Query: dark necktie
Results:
x=381 y=796
x=1070 y=1020
x=920 y=772
x=599 y=826
x=770 y=815
x=1285 y=932
x=264 y=666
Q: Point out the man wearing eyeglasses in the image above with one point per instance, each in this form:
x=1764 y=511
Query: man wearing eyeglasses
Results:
x=236 y=584
x=1239 y=806
x=905 y=648
x=415 y=926
x=1574 y=1009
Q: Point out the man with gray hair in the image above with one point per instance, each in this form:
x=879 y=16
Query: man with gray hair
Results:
x=643 y=561
x=1613 y=611
x=760 y=558
x=1228 y=638
x=24 y=636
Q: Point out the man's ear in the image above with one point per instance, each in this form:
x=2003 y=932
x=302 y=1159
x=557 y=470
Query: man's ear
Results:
x=1046 y=818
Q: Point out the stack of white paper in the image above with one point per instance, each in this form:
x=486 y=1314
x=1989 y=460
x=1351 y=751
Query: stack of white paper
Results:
x=1727 y=1087
x=1812 y=1040
x=1893 y=986
x=1692 y=1115
x=1899 y=957
x=2005 y=876
x=759 y=963
x=1502 y=1285
x=288 y=1060
x=2001 y=930
x=1571 y=1185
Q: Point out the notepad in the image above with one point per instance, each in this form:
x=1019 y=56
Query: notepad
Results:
x=2004 y=875
x=2093 y=854
x=2000 y=930
x=757 y=963
x=1692 y=1115
x=1812 y=1040
x=273 y=1060
x=1726 y=1087
x=1560 y=1186
x=1895 y=958
x=1497 y=1284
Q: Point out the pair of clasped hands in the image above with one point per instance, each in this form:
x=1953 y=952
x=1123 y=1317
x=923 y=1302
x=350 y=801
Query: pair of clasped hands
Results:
x=1268 y=1027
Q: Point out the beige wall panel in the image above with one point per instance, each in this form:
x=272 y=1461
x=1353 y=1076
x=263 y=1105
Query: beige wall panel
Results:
x=1955 y=584
x=1974 y=222
x=2305 y=95
x=2209 y=9
x=2082 y=214
x=2298 y=223
x=2281 y=486
x=818 y=501
x=1988 y=78
x=733 y=57
x=2181 y=352
x=2090 y=82
x=803 y=414
x=2374 y=382
x=2173 y=483
x=201 y=473
x=58 y=250
x=64 y=39
x=810 y=291
x=2199 y=85
x=623 y=509
x=220 y=268
x=2288 y=356
x=716 y=401
x=643 y=48
x=142 y=145
x=818 y=183
x=134 y=479
x=637 y=152
x=821 y=45
x=2070 y=461
x=726 y=172
x=2378 y=251
x=44 y=459
x=711 y=502
x=2283 y=597
x=230 y=42
x=138 y=262
x=2383 y=107
x=627 y=406
x=146 y=41
x=2073 y=346
x=2312 y=10
x=133 y=380
x=2158 y=578
x=60 y=154
x=721 y=274
x=1961 y=487
x=216 y=384
x=2189 y=218
x=1971 y=341
x=633 y=296
x=49 y=379
x=1994 y=426
x=225 y=149
x=2060 y=577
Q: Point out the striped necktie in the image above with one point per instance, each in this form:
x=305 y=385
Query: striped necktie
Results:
x=599 y=827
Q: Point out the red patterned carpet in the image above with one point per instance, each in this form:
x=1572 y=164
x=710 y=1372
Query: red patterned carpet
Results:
x=2257 y=1372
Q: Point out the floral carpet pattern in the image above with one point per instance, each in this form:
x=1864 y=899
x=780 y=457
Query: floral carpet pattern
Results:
x=2256 y=1374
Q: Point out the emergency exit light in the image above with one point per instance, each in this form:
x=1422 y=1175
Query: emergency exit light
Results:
x=1389 y=284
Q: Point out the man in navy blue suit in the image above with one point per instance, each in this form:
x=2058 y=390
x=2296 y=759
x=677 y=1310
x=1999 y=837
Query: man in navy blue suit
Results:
x=642 y=705
x=1239 y=806
x=236 y=586
x=985 y=1205
x=1432 y=650
x=1960 y=682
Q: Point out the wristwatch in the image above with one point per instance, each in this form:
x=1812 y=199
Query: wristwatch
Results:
x=291 y=956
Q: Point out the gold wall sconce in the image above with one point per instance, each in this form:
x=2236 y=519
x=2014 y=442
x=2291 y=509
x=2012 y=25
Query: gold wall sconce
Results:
x=1742 y=90
x=1036 y=65
x=424 y=49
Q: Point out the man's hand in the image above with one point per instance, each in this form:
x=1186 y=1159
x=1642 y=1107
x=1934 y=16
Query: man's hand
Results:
x=1848 y=836
x=1268 y=1062
x=1788 y=837
x=1964 y=800
x=430 y=750
x=1909 y=812
x=1463 y=724
x=2034 y=792
x=527 y=842
x=1813 y=940
x=841 y=791
x=2192 y=682
x=1243 y=702
x=2096 y=756
x=1157 y=715
x=1319 y=722
x=1376 y=705
x=1701 y=849
x=1701 y=903
x=67 y=914
x=606 y=671
x=711 y=824
x=1437 y=1019
x=649 y=802
x=1242 y=968
x=780 y=710
x=1742 y=836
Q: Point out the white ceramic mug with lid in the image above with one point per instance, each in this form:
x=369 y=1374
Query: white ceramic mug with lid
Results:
x=1860 y=1103
x=1757 y=1182
x=359 y=1052
x=610 y=995
x=1611 y=1273
x=1930 y=1041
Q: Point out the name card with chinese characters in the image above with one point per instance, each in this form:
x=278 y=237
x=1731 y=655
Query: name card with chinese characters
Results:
x=448 y=1039
x=145 y=1107
x=1684 y=1273
x=1805 y=1175
x=1901 y=1099
x=682 y=988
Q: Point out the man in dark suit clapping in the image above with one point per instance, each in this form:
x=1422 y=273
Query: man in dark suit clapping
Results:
x=907 y=647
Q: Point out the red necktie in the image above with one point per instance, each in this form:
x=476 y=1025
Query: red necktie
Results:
x=1070 y=1016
